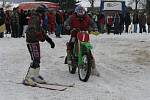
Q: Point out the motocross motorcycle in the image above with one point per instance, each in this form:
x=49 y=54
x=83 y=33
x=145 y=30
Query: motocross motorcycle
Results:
x=81 y=57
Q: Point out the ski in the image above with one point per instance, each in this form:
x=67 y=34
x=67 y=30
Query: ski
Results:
x=58 y=84
x=48 y=88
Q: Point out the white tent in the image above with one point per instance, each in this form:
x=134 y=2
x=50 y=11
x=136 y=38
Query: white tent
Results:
x=86 y=3
x=8 y=5
x=11 y=6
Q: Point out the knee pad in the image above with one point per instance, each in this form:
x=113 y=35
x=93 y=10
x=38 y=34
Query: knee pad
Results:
x=69 y=45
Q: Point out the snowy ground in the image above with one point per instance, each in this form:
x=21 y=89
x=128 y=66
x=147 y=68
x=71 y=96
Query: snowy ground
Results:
x=122 y=60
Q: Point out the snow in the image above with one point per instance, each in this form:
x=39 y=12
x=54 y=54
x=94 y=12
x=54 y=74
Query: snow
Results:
x=122 y=60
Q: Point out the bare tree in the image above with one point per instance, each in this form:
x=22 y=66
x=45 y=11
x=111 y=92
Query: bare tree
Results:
x=92 y=3
x=148 y=7
x=3 y=3
x=141 y=3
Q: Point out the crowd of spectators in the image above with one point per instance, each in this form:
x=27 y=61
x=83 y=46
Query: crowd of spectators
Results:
x=117 y=23
x=15 y=22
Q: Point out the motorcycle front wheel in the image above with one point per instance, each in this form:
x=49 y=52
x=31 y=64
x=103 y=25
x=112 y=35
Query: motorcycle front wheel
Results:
x=84 y=70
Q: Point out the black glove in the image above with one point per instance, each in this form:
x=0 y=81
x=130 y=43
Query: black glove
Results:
x=52 y=44
x=49 y=40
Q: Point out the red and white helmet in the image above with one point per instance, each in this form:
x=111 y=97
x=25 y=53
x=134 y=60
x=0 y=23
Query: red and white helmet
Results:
x=79 y=10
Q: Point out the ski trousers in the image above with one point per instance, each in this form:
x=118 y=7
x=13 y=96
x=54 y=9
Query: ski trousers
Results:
x=34 y=50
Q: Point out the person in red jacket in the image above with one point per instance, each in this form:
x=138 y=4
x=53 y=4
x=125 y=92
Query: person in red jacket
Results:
x=101 y=22
x=109 y=23
x=82 y=21
x=52 y=21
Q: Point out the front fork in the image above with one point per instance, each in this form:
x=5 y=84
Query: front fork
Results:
x=83 y=47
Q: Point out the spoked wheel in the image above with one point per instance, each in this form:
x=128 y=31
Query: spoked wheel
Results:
x=84 y=70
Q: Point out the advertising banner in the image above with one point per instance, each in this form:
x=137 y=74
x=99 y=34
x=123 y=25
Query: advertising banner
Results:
x=19 y=1
x=112 y=6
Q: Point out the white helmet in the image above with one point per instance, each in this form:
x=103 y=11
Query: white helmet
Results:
x=79 y=10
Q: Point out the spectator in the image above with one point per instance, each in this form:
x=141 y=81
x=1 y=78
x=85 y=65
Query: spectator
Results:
x=26 y=18
x=135 y=21
x=8 y=22
x=109 y=22
x=127 y=21
x=58 y=24
x=148 y=22
x=52 y=21
x=95 y=18
x=101 y=23
x=116 y=23
x=62 y=14
x=21 y=22
x=121 y=23
x=2 y=22
x=45 y=22
x=142 y=22
x=15 y=23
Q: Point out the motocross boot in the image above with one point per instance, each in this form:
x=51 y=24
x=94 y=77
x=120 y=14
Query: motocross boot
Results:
x=69 y=57
x=94 y=70
x=69 y=51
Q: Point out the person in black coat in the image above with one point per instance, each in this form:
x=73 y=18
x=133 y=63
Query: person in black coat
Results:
x=127 y=20
x=58 y=24
x=2 y=22
x=148 y=22
x=15 y=23
x=21 y=22
x=135 y=21
x=142 y=22
x=121 y=23
x=116 y=23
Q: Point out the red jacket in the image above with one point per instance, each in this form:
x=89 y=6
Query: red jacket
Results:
x=83 y=24
x=109 y=20
x=51 y=18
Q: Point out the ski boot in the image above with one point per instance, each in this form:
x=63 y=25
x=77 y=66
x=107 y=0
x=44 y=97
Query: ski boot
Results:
x=33 y=77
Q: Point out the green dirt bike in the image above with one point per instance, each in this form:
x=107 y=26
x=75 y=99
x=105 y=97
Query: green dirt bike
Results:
x=81 y=56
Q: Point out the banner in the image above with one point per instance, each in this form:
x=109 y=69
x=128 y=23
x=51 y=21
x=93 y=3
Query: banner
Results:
x=112 y=6
x=19 y=1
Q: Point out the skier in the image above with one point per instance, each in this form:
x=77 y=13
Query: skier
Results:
x=79 y=20
x=34 y=35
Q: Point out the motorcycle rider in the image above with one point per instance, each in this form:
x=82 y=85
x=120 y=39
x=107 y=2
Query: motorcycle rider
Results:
x=79 y=20
x=34 y=35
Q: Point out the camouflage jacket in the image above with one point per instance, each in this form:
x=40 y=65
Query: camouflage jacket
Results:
x=34 y=26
